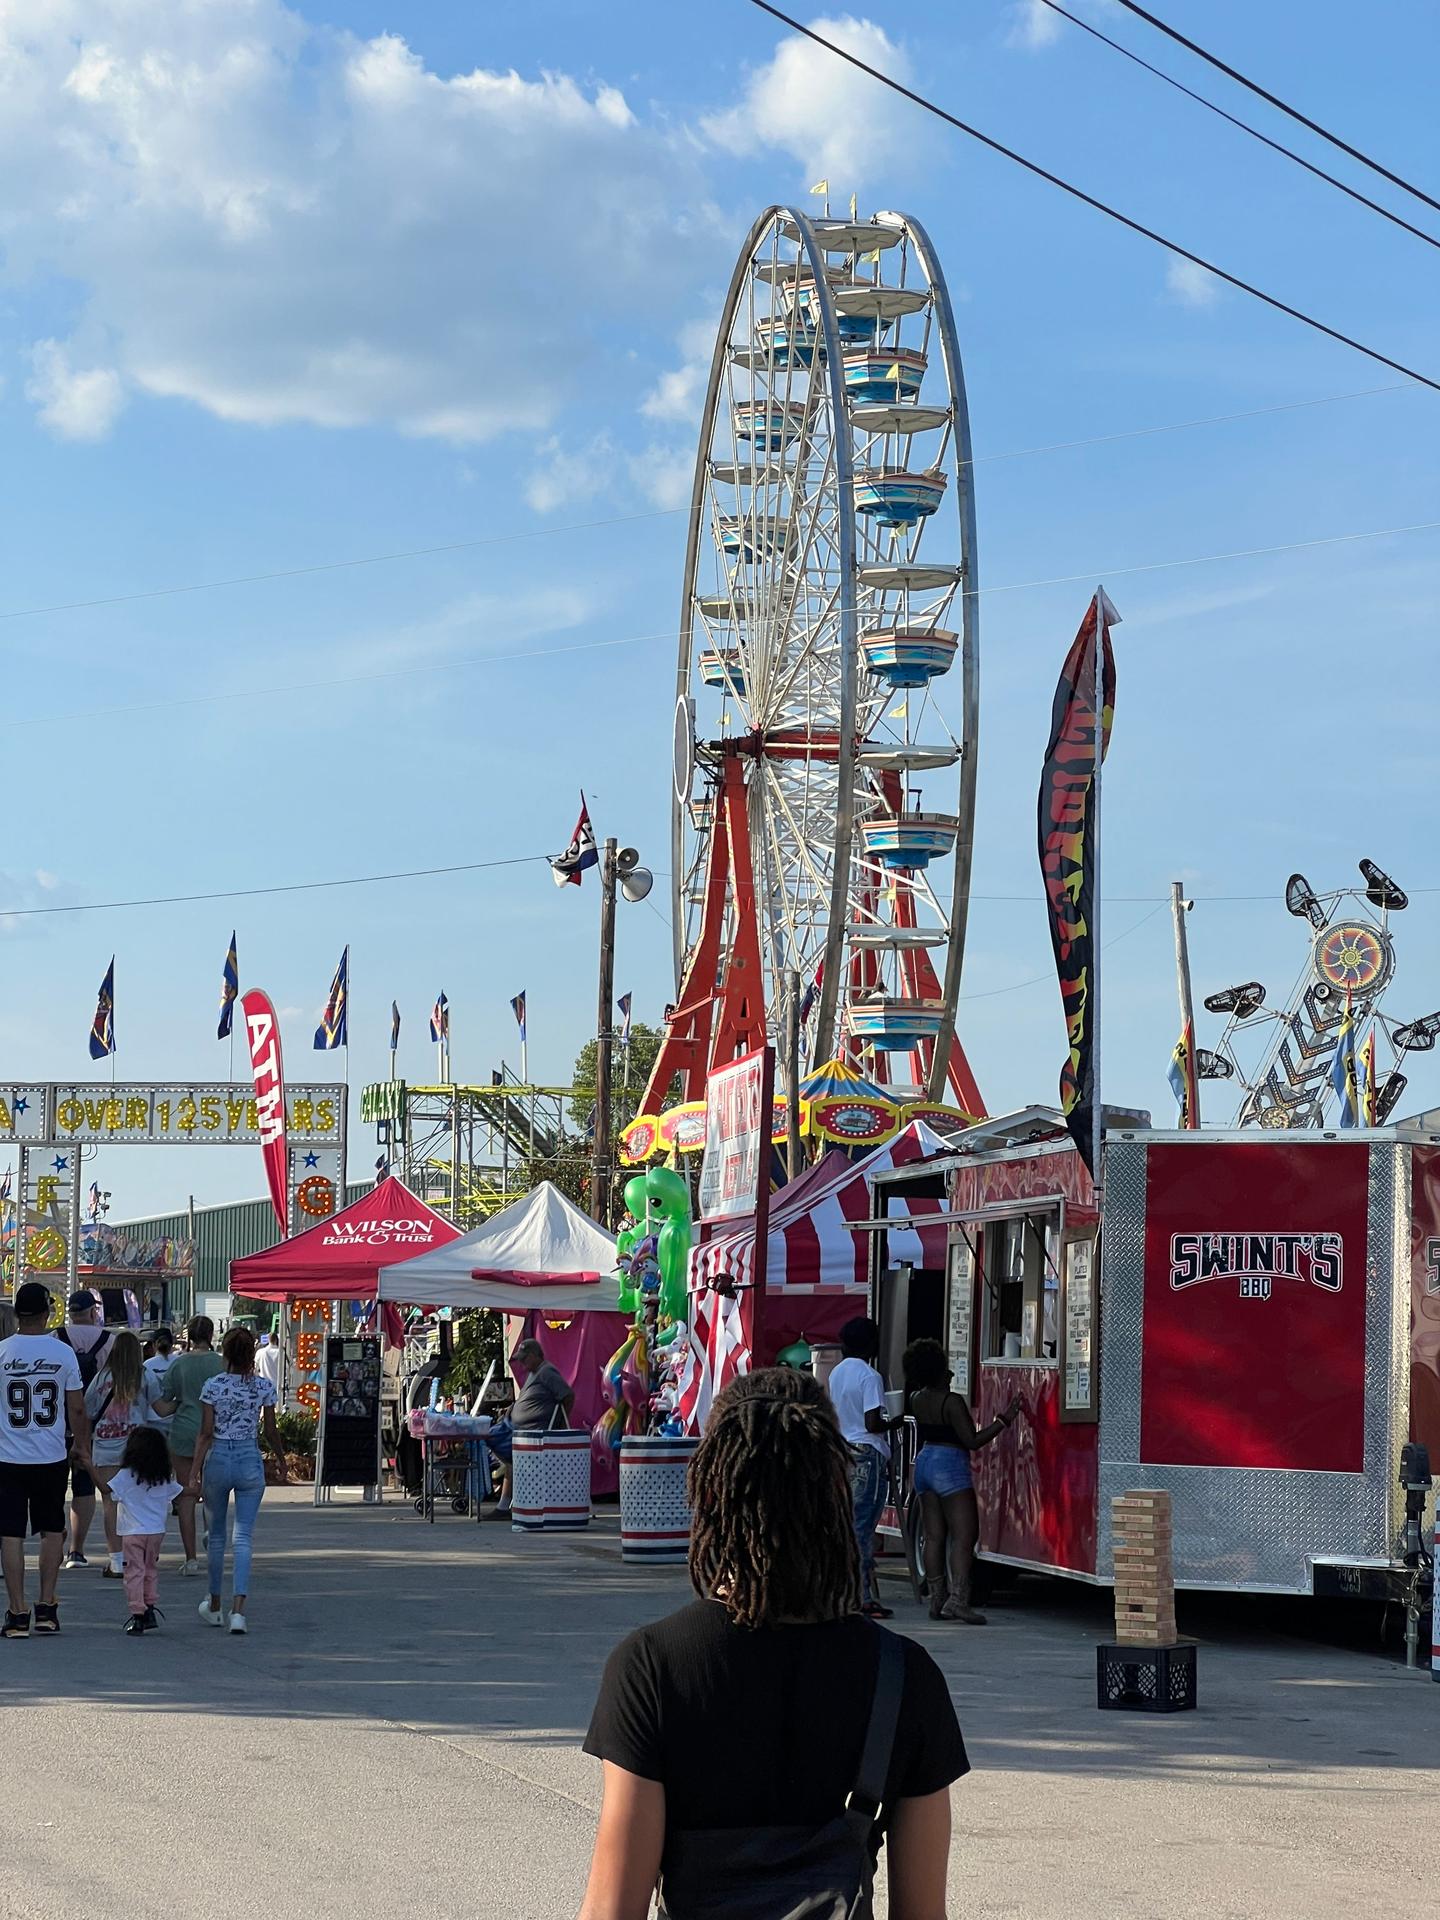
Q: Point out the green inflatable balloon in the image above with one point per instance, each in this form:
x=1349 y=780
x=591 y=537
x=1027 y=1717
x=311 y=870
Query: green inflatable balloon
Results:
x=635 y=1198
x=669 y=1196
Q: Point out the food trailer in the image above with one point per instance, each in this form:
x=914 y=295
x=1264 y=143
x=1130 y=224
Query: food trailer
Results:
x=1260 y=1336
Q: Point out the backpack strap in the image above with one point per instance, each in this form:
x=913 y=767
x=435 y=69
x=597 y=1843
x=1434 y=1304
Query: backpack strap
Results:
x=868 y=1794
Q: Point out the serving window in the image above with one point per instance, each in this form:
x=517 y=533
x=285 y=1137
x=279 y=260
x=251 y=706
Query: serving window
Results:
x=1021 y=1289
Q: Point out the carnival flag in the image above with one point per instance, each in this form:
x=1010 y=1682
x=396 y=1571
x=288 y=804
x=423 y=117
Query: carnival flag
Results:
x=262 y=1035
x=5 y=1187
x=624 y=1004
x=566 y=868
x=229 y=991
x=1182 y=1077
x=517 y=1007
x=394 y=1025
x=440 y=1019
x=1069 y=830
x=94 y=1199
x=334 y=1028
x=1344 y=1073
x=821 y=186
x=102 y=1027
x=1369 y=1100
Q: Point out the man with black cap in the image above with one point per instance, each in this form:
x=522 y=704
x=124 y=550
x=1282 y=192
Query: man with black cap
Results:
x=87 y=1333
x=40 y=1391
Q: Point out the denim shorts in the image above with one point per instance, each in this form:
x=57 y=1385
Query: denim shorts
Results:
x=942 y=1470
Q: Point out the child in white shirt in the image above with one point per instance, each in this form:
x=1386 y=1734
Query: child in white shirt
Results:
x=142 y=1489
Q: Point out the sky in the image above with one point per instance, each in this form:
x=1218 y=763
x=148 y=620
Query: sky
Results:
x=287 y=289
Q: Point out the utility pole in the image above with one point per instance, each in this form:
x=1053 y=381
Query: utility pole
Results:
x=1179 y=906
x=604 y=1020
x=792 y=1073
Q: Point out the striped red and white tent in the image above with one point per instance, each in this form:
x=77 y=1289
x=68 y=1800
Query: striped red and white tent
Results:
x=817 y=1270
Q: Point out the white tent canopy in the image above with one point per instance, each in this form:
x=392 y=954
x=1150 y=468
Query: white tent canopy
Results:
x=539 y=1252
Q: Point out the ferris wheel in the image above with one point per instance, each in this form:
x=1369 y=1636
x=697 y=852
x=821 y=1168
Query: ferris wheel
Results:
x=823 y=820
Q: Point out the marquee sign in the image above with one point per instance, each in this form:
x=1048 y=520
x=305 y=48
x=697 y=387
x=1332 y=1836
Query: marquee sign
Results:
x=201 y=1114
x=49 y=1124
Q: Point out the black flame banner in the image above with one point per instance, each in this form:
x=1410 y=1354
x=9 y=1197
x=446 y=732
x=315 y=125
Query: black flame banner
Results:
x=1069 y=826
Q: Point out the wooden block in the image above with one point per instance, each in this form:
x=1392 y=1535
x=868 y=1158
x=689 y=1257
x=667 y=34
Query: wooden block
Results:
x=1140 y=1503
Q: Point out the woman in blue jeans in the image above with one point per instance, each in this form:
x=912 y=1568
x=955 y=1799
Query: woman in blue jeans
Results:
x=227 y=1460
x=948 y=1437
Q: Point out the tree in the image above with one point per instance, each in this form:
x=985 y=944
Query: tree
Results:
x=624 y=1101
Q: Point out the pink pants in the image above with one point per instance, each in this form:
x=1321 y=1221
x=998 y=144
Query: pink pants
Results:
x=142 y=1569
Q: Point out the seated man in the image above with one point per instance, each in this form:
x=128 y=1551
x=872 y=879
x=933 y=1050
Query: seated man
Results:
x=545 y=1394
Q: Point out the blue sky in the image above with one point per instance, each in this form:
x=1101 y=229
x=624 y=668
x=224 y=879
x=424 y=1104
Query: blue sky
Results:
x=286 y=286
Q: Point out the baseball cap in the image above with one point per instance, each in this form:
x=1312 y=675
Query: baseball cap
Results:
x=32 y=1301
x=82 y=1300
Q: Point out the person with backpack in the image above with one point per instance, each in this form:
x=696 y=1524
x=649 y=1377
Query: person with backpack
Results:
x=117 y=1401
x=758 y=1745
x=87 y=1334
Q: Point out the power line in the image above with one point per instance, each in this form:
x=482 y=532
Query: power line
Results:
x=1274 y=100
x=992 y=993
x=657 y=513
x=1276 y=146
x=1100 y=206
x=252 y=893
x=332 y=681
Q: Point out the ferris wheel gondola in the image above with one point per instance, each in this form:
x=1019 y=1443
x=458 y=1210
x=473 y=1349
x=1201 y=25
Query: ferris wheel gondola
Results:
x=829 y=583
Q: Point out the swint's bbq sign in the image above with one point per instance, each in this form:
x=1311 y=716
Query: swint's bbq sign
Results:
x=1254 y=1261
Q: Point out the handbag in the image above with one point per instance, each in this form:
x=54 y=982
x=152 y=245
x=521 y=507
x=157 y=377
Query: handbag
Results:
x=794 y=1873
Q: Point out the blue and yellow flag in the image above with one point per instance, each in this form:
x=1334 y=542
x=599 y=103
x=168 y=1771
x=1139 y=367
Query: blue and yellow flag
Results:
x=1182 y=1078
x=229 y=991
x=1344 y=1074
x=334 y=1028
x=102 y=1027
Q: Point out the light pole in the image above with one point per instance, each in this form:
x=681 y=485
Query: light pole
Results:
x=619 y=866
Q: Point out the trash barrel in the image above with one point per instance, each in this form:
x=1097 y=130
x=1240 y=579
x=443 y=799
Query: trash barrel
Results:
x=551 y=1473
x=654 y=1512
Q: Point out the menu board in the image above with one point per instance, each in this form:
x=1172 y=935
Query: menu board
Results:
x=350 y=1413
x=1080 y=1385
x=960 y=1311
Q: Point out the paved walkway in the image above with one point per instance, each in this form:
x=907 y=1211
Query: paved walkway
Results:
x=400 y=1732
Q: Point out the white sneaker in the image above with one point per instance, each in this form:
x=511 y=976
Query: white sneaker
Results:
x=237 y=1623
x=212 y=1616
x=189 y=1569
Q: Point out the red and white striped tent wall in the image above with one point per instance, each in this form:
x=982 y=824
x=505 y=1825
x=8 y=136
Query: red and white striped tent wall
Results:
x=817 y=1271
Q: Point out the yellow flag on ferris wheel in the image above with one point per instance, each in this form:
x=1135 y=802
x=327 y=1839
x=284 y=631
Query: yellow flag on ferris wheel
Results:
x=821 y=186
x=854 y=208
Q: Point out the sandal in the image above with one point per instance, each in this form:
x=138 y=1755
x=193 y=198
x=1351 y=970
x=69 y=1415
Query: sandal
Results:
x=873 y=1610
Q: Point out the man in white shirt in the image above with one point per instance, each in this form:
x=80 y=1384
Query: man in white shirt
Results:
x=40 y=1390
x=858 y=1394
x=269 y=1356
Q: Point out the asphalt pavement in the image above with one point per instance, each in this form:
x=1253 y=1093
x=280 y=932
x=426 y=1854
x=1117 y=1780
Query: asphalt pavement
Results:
x=399 y=1733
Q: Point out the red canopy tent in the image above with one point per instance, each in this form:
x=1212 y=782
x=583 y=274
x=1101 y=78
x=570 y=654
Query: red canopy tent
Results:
x=340 y=1258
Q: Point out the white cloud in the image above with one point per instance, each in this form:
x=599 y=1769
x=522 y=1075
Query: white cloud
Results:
x=1191 y=286
x=1033 y=24
x=834 y=119
x=278 y=222
x=678 y=394
x=76 y=403
x=565 y=475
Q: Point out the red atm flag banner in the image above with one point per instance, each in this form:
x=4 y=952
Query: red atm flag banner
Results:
x=1068 y=831
x=262 y=1035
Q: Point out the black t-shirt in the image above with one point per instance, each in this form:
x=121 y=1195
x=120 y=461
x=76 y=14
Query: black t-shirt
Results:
x=755 y=1727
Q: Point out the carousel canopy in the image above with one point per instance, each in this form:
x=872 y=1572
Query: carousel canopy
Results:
x=539 y=1252
x=340 y=1258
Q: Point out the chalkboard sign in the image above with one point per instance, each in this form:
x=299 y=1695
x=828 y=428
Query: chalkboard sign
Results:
x=349 y=1446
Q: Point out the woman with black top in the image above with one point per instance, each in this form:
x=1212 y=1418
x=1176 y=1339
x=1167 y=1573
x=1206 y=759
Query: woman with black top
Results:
x=948 y=1437
x=732 y=1732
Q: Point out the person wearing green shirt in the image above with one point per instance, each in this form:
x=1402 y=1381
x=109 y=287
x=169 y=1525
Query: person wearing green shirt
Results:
x=181 y=1400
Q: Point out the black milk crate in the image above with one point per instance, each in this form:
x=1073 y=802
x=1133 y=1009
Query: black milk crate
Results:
x=1145 y=1679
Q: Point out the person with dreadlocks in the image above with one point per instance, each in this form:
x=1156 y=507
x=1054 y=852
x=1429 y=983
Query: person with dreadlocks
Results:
x=759 y=1744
